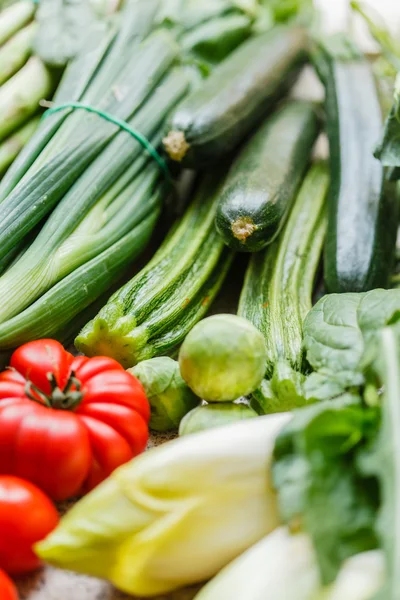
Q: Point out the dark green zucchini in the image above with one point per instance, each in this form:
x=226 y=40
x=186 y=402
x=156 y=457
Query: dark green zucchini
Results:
x=218 y=115
x=363 y=207
x=279 y=282
x=265 y=177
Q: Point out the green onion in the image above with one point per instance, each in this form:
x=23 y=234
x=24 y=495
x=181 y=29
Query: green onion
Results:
x=14 y=17
x=11 y=146
x=15 y=52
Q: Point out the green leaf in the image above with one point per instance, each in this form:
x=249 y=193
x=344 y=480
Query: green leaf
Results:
x=319 y=387
x=388 y=151
x=216 y=39
x=390 y=46
x=320 y=488
x=283 y=10
x=340 y=326
x=288 y=389
x=283 y=392
x=189 y=14
x=385 y=461
x=64 y=26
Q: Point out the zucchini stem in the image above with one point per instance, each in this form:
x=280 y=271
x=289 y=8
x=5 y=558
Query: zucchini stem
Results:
x=176 y=146
x=243 y=228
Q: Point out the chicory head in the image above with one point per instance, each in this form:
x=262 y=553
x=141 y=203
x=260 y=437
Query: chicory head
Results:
x=177 y=514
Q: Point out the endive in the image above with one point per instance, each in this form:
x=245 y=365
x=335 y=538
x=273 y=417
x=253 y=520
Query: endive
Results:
x=284 y=567
x=177 y=514
x=280 y=567
x=360 y=578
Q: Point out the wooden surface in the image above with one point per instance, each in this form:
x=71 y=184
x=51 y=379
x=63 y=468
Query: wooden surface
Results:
x=53 y=584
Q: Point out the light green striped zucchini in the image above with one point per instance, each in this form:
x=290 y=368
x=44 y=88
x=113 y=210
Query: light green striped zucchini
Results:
x=152 y=314
x=277 y=292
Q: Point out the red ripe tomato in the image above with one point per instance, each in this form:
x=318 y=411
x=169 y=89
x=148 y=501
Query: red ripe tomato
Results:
x=26 y=517
x=66 y=423
x=7 y=588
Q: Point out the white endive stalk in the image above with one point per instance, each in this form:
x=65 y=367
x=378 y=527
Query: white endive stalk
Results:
x=284 y=567
x=177 y=514
x=280 y=567
x=360 y=578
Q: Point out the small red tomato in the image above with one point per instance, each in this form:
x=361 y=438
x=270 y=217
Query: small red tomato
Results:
x=27 y=516
x=8 y=590
x=66 y=423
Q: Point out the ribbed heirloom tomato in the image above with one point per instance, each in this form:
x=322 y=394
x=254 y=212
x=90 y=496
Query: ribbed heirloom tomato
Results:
x=67 y=422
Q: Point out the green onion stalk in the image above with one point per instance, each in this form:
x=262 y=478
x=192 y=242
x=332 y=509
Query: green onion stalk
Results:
x=12 y=146
x=24 y=80
x=14 y=17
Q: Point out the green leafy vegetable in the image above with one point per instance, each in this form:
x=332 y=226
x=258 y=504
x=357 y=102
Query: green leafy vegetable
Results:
x=284 y=391
x=338 y=328
x=289 y=389
x=337 y=463
x=63 y=29
x=384 y=461
x=320 y=486
x=389 y=149
x=389 y=44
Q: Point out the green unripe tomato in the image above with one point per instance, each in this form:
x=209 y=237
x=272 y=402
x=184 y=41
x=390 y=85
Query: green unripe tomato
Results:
x=214 y=415
x=169 y=397
x=223 y=358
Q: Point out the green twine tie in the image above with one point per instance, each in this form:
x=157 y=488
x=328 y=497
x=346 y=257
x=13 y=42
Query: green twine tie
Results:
x=121 y=124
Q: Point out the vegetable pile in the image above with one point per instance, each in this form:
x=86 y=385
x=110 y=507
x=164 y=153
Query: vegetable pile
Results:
x=174 y=133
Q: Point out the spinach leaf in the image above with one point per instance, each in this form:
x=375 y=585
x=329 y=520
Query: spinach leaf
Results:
x=337 y=463
x=283 y=392
x=321 y=488
x=288 y=389
x=339 y=328
x=384 y=462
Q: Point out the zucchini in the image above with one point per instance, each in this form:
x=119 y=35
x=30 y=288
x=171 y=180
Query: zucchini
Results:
x=277 y=292
x=212 y=120
x=363 y=207
x=153 y=312
x=265 y=177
